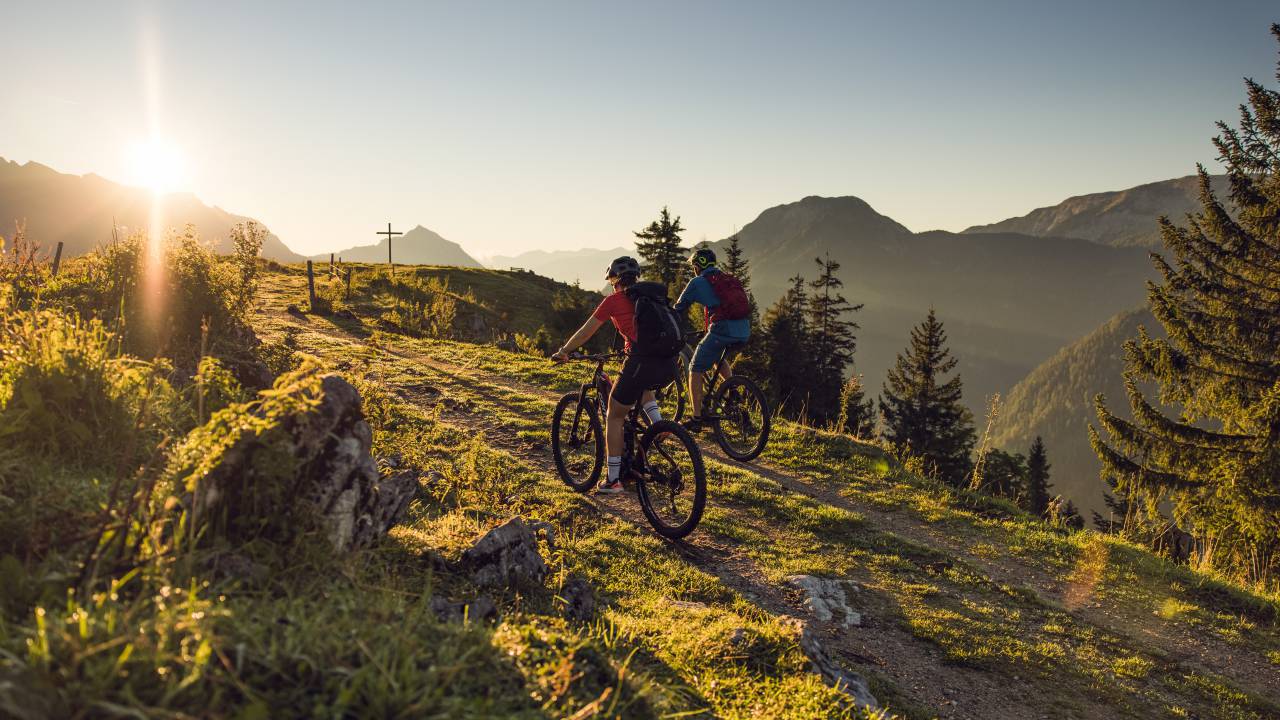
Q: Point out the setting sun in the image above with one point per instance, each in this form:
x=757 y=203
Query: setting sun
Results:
x=156 y=164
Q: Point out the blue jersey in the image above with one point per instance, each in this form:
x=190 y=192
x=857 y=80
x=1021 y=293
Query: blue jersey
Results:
x=699 y=291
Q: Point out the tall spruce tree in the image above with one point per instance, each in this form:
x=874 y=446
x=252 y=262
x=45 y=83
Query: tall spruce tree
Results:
x=751 y=360
x=831 y=340
x=1037 y=495
x=923 y=414
x=1218 y=459
x=784 y=339
x=658 y=246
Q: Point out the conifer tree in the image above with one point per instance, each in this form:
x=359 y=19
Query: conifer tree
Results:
x=831 y=340
x=922 y=413
x=784 y=338
x=1037 y=496
x=658 y=246
x=752 y=360
x=1004 y=475
x=1218 y=458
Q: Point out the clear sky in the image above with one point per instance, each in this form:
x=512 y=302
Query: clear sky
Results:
x=558 y=125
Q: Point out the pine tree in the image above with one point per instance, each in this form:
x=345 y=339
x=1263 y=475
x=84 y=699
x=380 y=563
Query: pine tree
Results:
x=922 y=414
x=1037 y=496
x=1218 y=459
x=783 y=342
x=751 y=360
x=1004 y=475
x=658 y=246
x=831 y=340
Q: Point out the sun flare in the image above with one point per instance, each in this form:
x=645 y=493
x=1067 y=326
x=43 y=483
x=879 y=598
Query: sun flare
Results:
x=156 y=164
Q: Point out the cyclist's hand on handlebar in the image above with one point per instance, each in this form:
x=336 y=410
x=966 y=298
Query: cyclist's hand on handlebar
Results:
x=559 y=357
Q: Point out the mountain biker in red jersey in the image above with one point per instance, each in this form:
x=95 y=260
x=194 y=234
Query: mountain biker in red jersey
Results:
x=640 y=375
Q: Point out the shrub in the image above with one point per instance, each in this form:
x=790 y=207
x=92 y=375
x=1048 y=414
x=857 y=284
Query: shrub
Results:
x=73 y=415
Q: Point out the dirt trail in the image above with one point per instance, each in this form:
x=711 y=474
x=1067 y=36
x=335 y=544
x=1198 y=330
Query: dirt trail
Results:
x=916 y=668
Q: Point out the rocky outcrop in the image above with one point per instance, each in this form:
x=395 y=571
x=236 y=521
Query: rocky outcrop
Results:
x=827 y=599
x=842 y=679
x=507 y=556
x=297 y=460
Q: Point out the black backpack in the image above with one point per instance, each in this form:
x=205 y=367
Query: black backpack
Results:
x=658 y=331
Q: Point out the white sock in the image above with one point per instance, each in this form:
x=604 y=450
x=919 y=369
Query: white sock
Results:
x=615 y=467
x=651 y=411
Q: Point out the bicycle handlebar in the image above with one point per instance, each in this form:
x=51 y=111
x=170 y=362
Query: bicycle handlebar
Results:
x=594 y=357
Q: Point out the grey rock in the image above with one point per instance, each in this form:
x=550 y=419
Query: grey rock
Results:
x=335 y=478
x=506 y=556
x=840 y=678
x=579 y=599
x=827 y=599
x=738 y=637
x=479 y=609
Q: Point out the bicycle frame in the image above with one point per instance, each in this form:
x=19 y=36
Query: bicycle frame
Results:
x=601 y=384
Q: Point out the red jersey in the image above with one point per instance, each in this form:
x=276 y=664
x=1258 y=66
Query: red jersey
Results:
x=622 y=311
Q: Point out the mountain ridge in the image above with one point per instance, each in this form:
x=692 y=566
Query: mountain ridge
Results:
x=1119 y=218
x=81 y=210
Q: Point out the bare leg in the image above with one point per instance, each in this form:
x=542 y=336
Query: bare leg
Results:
x=696 y=390
x=615 y=419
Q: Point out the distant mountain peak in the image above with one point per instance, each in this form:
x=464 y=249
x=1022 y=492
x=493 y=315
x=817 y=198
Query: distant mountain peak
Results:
x=1119 y=218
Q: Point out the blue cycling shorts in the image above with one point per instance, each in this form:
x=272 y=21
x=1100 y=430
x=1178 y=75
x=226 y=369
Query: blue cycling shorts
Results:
x=709 y=350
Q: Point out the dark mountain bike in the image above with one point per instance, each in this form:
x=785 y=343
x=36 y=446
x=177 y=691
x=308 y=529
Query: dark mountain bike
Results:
x=735 y=409
x=665 y=464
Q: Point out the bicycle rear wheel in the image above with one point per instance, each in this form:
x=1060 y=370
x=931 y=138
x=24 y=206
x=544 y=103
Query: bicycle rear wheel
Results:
x=740 y=418
x=577 y=442
x=672 y=484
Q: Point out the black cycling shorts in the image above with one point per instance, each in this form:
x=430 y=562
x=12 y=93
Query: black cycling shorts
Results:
x=642 y=373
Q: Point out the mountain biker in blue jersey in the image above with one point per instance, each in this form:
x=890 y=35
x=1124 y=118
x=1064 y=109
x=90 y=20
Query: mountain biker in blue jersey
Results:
x=728 y=318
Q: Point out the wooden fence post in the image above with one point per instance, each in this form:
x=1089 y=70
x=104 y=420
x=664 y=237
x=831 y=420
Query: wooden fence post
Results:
x=311 y=286
x=332 y=270
x=57 y=258
x=348 y=283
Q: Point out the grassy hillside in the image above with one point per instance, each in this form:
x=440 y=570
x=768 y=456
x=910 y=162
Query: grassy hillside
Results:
x=448 y=301
x=967 y=608
x=971 y=609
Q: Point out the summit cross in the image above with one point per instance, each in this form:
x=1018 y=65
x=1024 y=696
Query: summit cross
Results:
x=389 y=234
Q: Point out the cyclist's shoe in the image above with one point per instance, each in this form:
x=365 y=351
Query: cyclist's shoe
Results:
x=609 y=487
x=694 y=425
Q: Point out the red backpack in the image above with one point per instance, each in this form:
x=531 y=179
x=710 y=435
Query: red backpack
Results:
x=734 y=304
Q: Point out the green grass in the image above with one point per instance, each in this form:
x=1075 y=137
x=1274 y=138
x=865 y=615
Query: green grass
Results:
x=966 y=585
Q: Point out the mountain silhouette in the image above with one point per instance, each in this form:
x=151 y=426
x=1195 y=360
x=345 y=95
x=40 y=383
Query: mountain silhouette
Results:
x=1121 y=218
x=419 y=246
x=1009 y=301
x=585 y=266
x=80 y=210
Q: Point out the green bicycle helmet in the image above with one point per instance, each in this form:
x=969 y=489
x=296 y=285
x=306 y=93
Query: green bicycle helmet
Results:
x=702 y=259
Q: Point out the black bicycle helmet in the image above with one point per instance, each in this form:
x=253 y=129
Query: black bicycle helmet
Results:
x=622 y=266
x=702 y=259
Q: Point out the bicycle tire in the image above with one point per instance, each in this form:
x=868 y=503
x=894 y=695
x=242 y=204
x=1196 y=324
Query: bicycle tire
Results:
x=594 y=433
x=747 y=451
x=648 y=495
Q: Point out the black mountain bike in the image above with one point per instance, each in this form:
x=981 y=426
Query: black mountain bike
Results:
x=666 y=464
x=735 y=409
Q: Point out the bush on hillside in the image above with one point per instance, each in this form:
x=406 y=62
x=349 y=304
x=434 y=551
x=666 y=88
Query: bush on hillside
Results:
x=74 y=415
x=180 y=300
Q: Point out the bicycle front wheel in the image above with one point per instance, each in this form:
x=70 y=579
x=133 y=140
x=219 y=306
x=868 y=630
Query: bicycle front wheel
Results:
x=672 y=399
x=577 y=442
x=672 y=482
x=740 y=418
